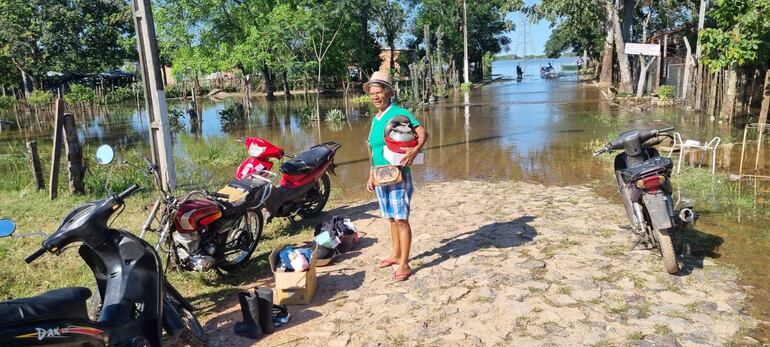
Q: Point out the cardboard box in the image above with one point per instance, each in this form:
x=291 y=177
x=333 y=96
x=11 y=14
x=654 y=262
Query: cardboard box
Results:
x=293 y=288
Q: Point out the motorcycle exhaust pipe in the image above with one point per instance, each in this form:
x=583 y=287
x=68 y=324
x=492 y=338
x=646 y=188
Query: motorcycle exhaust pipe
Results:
x=687 y=215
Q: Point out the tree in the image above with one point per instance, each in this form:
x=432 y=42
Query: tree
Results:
x=574 y=27
x=390 y=18
x=38 y=36
x=487 y=26
x=740 y=35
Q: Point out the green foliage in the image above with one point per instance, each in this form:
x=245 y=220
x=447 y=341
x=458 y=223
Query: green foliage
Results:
x=122 y=94
x=466 y=87
x=486 y=63
x=305 y=114
x=574 y=27
x=79 y=94
x=175 y=119
x=361 y=99
x=7 y=101
x=232 y=117
x=174 y=91
x=741 y=33
x=666 y=92
x=335 y=116
x=487 y=25
x=83 y=36
x=40 y=98
x=118 y=176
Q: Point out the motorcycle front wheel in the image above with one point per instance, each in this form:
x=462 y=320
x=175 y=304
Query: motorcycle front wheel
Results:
x=667 y=250
x=193 y=333
x=242 y=240
x=316 y=198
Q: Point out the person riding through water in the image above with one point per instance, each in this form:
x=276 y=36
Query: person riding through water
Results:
x=519 y=71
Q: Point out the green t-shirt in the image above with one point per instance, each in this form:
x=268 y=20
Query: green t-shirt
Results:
x=377 y=133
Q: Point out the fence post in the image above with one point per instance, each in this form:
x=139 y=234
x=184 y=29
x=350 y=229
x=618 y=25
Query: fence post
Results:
x=74 y=155
x=56 y=151
x=34 y=162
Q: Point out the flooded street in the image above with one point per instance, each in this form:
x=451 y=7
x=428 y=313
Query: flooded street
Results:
x=535 y=131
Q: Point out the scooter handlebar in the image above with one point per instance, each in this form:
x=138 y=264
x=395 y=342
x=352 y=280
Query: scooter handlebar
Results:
x=128 y=192
x=35 y=255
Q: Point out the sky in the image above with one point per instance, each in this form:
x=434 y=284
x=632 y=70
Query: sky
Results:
x=538 y=34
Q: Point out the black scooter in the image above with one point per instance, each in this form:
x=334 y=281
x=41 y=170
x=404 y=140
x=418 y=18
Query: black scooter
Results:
x=644 y=182
x=137 y=300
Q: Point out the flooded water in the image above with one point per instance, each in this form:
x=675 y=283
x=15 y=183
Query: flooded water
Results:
x=533 y=130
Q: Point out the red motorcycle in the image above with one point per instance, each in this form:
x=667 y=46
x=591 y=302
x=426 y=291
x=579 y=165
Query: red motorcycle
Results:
x=305 y=186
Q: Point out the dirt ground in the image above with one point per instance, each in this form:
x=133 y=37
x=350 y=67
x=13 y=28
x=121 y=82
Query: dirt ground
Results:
x=512 y=264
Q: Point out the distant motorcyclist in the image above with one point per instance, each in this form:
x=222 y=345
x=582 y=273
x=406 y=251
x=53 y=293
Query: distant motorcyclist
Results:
x=519 y=71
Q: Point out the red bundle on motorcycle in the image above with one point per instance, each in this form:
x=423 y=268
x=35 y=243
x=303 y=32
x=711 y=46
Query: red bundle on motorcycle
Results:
x=262 y=149
x=260 y=152
x=194 y=214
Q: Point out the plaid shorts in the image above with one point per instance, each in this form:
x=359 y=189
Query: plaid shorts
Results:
x=394 y=199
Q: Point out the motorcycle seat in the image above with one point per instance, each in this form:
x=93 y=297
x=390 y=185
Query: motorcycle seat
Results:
x=62 y=303
x=648 y=167
x=307 y=161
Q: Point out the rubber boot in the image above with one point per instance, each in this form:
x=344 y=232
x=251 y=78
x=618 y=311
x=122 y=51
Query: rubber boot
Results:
x=250 y=309
x=265 y=299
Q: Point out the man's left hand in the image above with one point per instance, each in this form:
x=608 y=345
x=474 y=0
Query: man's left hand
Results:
x=411 y=153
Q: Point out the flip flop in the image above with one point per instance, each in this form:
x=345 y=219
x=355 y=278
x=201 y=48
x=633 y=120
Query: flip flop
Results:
x=401 y=276
x=387 y=262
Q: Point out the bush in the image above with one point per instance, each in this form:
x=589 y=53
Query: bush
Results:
x=466 y=87
x=174 y=91
x=7 y=101
x=40 y=98
x=305 y=114
x=121 y=94
x=229 y=89
x=232 y=116
x=334 y=116
x=175 y=117
x=79 y=94
x=666 y=92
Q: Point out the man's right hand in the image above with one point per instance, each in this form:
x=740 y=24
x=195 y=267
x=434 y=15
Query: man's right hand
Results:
x=370 y=184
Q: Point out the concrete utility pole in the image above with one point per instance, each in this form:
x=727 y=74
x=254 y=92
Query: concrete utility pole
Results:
x=699 y=76
x=466 y=79
x=154 y=96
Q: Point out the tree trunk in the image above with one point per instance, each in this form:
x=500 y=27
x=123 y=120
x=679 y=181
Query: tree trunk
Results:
x=728 y=103
x=25 y=82
x=643 y=76
x=765 y=102
x=392 y=67
x=268 y=83
x=606 y=75
x=624 y=65
x=628 y=19
x=318 y=95
x=466 y=78
x=286 y=89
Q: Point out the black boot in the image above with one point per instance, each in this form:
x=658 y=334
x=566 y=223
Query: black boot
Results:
x=250 y=309
x=265 y=299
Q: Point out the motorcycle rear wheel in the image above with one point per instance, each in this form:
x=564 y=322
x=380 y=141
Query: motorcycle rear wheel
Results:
x=319 y=197
x=667 y=250
x=254 y=223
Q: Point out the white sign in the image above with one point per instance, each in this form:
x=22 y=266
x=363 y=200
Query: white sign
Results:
x=643 y=49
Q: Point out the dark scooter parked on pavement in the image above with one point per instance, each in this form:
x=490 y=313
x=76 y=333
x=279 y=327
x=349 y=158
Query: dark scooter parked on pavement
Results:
x=137 y=300
x=644 y=182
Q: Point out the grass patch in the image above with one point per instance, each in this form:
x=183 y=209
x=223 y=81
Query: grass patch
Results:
x=636 y=336
x=615 y=250
x=662 y=329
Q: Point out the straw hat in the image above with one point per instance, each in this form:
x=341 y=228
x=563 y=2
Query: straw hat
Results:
x=380 y=77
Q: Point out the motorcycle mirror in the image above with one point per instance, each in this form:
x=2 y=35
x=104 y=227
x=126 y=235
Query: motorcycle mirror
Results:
x=104 y=154
x=7 y=227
